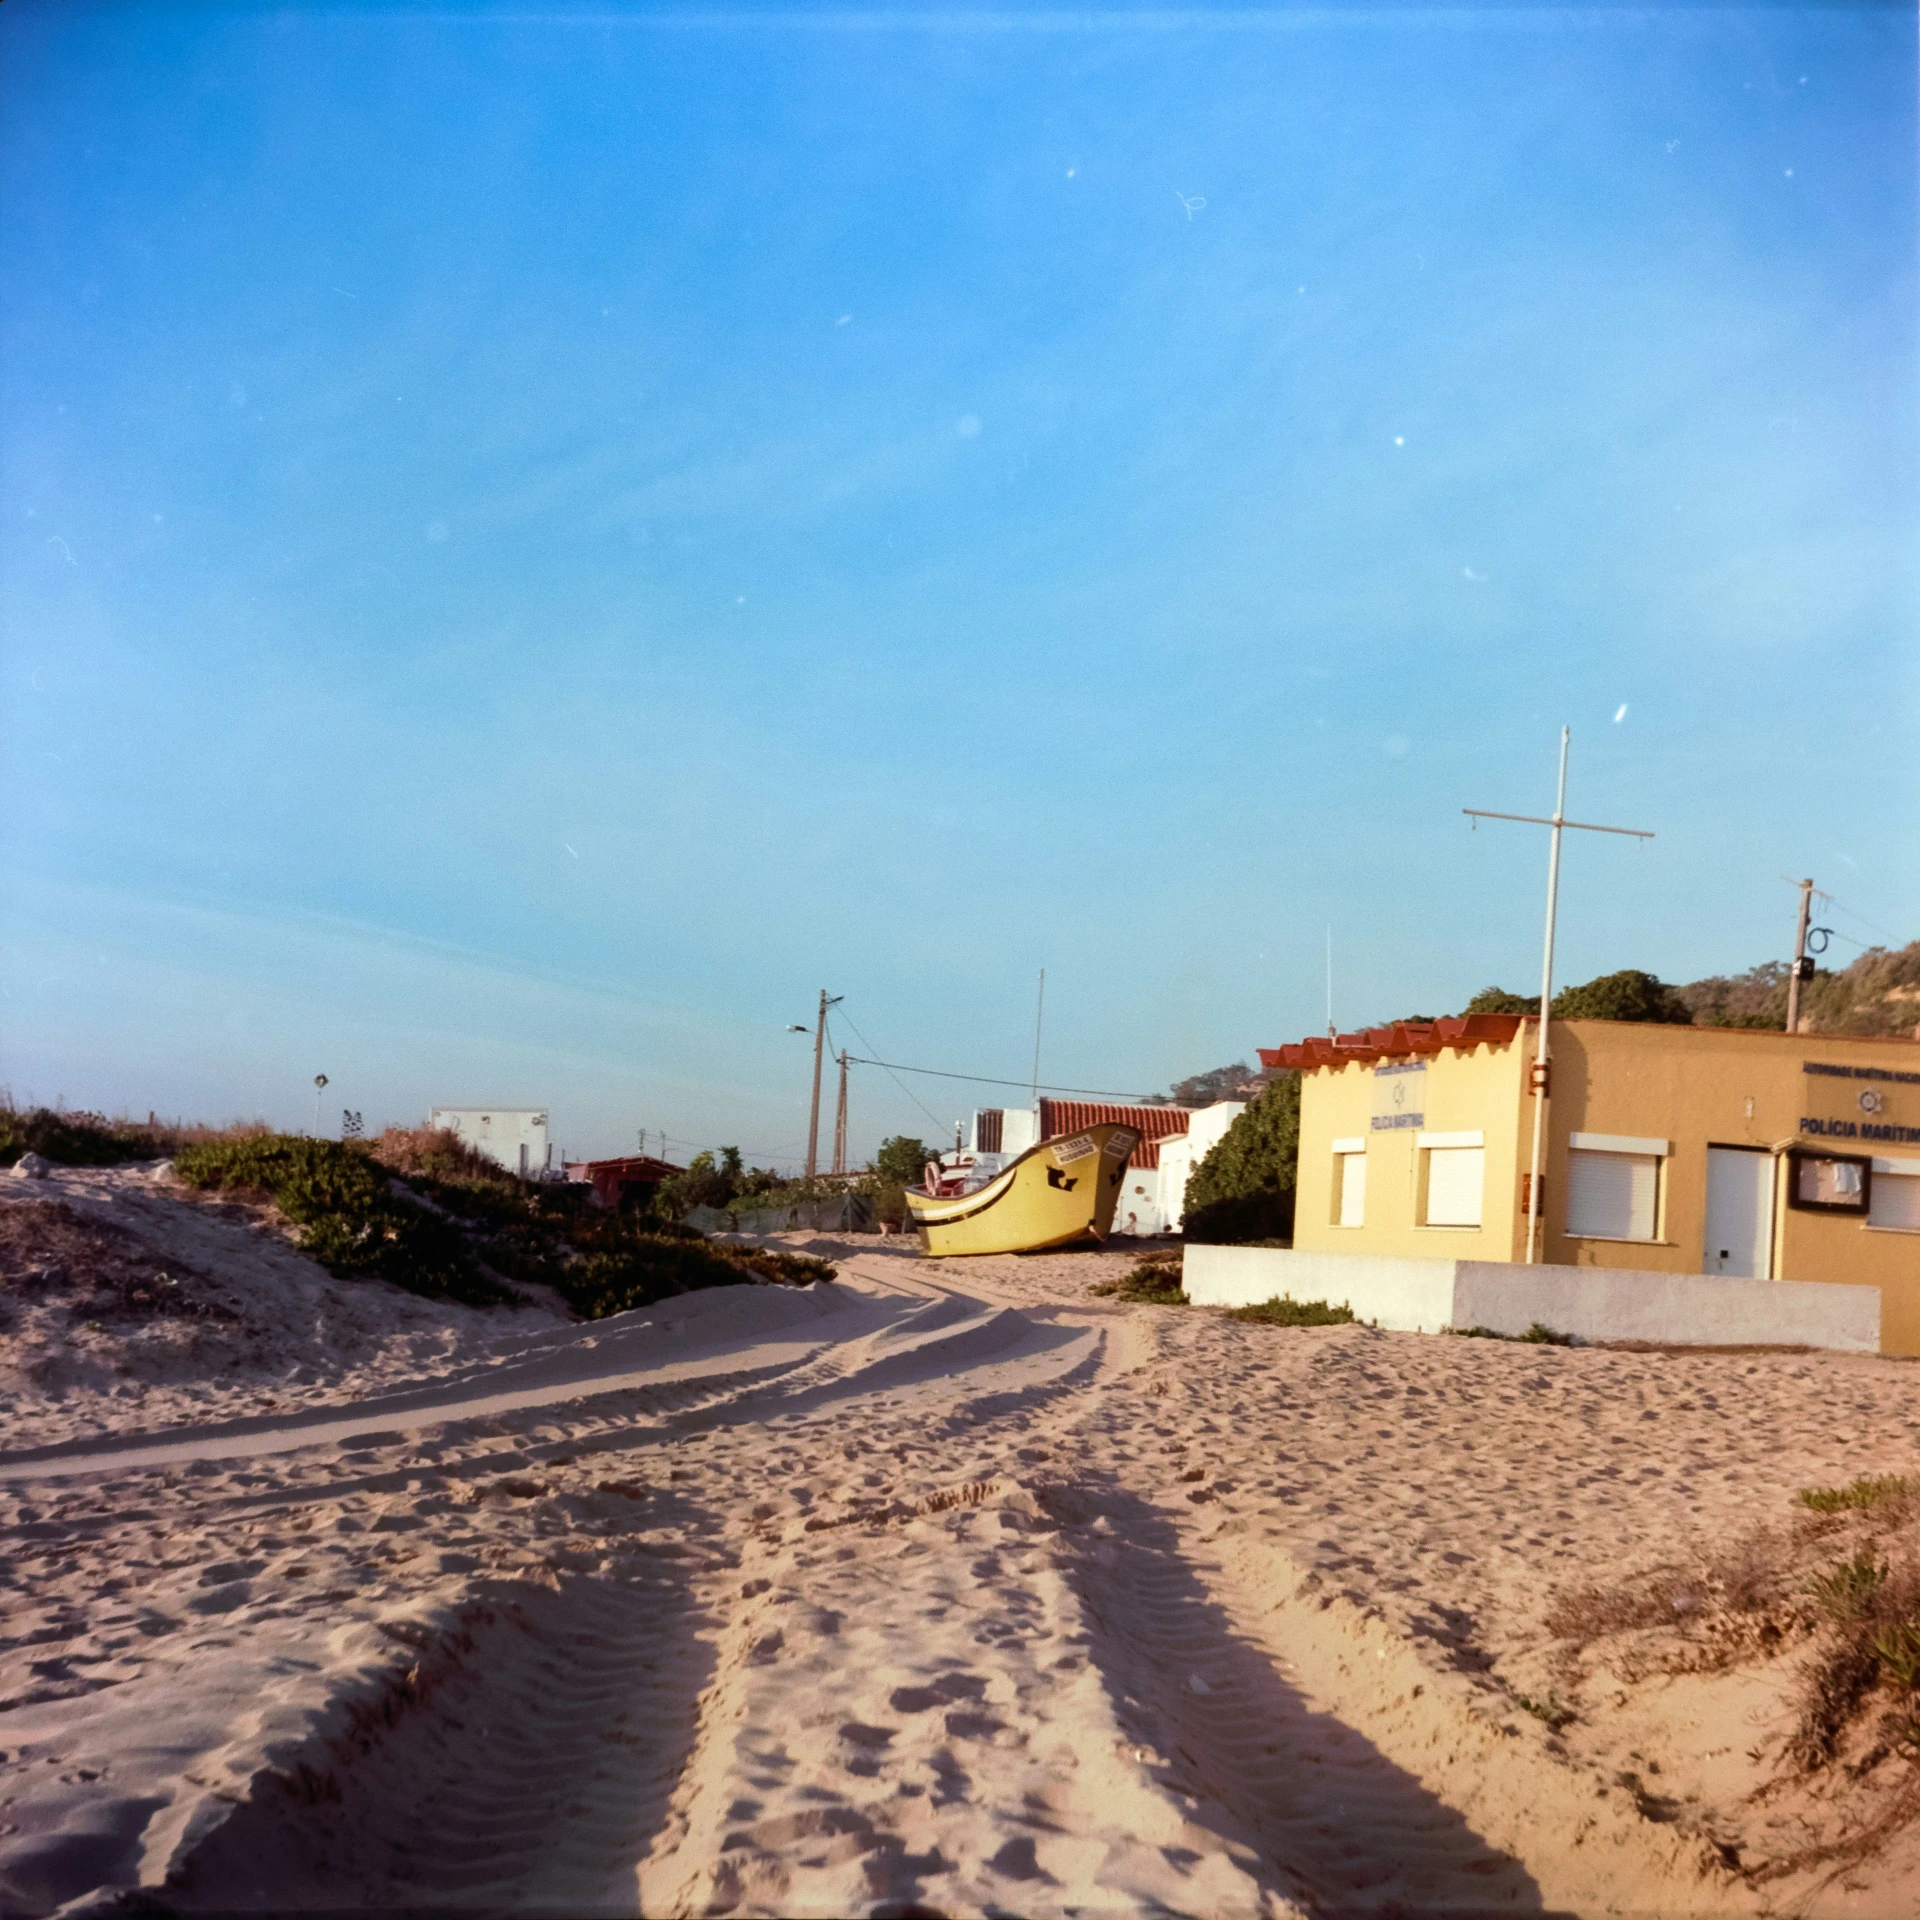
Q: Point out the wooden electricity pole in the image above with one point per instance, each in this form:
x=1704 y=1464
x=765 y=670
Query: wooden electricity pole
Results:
x=1538 y=1080
x=1802 y=966
x=819 y=1054
x=840 y=1120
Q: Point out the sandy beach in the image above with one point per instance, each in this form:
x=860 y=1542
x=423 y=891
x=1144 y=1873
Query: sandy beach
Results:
x=946 y=1587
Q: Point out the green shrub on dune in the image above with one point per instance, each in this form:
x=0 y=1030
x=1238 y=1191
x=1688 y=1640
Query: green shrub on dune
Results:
x=432 y=1216
x=350 y=1218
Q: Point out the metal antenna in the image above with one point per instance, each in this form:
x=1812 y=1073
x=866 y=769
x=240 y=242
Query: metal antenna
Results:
x=1538 y=1079
x=1330 y=1031
x=1039 y=1014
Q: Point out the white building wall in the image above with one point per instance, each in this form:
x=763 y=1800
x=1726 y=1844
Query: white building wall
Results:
x=1179 y=1158
x=515 y=1137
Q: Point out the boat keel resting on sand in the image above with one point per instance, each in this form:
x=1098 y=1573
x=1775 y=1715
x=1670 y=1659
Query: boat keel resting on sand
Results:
x=1061 y=1193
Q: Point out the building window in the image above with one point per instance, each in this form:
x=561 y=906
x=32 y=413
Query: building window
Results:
x=1612 y=1196
x=1455 y=1179
x=1349 y=1183
x=1829 y=1182
x=1895 y=1198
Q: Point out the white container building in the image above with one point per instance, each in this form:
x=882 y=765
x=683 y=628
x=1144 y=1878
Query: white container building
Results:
x=514 y=1137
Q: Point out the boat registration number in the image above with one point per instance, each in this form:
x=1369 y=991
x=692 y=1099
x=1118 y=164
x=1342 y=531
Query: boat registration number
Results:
x=1121 y=1144
x=1065 y=1152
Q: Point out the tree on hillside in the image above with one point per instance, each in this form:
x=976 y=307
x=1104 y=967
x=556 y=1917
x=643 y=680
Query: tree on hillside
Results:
x=1235 y=1081
x=1499 y=1000
x=1626 y=995
x=1243 y=1189
x=1877 y=993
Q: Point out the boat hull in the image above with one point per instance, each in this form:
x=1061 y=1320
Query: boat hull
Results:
x=1061 y=1193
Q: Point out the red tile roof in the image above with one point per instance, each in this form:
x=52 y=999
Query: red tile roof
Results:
x=1462 y=1031
x=1153 y=1124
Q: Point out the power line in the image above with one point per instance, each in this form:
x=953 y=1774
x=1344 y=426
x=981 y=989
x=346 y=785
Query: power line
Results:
x=897 y=1081
x=991 y=1080
x=1872 y=926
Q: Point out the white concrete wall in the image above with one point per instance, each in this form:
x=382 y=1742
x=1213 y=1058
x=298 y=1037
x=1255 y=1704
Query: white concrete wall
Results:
x=1176 y=1168
x=1591 y=1303
x=1410 y=1296
x=1679 y=1309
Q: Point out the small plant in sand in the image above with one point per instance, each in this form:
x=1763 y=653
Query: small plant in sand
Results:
x=1285 y=1311
x=1869 y=1491
x=1552 y=1712
x=1535 y=1336
x=1155 y=1282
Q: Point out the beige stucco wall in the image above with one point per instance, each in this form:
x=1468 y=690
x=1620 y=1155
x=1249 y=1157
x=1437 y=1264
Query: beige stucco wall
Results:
x=1702 y=1086
x=1470 y=1090
x=1693 y=1087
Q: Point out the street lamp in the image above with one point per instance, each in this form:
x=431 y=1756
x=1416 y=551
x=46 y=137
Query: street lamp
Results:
x=319 y=1087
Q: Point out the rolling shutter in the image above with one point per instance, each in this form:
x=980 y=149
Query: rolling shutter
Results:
x=1612 y=1196
x=1455 y=1176
x=1895 y=1201
x=1352 y=1170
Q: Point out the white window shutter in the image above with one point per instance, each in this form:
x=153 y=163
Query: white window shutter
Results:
x=1353 y=1188
x=1895 y=1201
x=1455 y=1177
x=1612 y=1196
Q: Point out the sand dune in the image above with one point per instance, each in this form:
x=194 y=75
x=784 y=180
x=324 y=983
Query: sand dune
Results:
x=943 y=1588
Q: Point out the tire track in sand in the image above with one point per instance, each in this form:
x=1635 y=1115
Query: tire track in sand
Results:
x=520 y=1757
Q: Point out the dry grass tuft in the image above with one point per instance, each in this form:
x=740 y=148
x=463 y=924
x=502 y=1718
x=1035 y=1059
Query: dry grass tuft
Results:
x=1862 y=1495
x=437 y=1151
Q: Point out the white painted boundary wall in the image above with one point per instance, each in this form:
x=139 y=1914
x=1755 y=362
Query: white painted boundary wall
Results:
x=1591 y=1303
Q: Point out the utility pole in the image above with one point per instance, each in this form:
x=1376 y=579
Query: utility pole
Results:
x=819 y=1053
x=1802 y=965
x=1537 y=1081
x=840 y=1120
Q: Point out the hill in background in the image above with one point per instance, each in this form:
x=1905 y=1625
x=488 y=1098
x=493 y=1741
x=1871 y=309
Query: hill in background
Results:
x=1879 y=994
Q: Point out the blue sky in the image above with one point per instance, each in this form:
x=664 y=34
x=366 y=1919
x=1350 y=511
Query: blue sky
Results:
x=531 y=543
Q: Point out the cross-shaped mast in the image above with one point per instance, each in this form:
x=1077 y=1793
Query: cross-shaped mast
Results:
x=1538 y=1079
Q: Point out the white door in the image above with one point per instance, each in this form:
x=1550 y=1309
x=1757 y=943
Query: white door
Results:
x=1739 y=1214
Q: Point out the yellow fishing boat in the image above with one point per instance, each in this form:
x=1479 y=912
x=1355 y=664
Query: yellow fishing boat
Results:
x=1061 y=1193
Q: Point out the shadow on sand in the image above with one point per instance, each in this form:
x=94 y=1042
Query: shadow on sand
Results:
x=1339 y=1827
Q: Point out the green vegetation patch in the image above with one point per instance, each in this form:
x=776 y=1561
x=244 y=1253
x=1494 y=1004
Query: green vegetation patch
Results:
x=1285 y=1311
x=1870 y=1490
x=1243 y=1190
x=1153 y=1283
x=1535 y=1336
x=349 y=1216
x=438 y=1219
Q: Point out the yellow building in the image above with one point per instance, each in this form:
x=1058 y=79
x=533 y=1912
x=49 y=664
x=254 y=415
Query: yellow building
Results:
x=1689 y=1150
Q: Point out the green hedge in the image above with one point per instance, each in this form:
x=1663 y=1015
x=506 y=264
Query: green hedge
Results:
x=1243 y=1190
